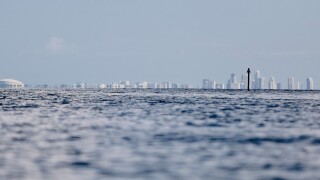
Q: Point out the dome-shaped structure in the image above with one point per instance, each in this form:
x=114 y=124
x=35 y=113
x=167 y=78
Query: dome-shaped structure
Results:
x=10 y=83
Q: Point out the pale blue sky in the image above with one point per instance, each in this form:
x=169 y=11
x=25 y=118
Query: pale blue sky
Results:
x=65 y=41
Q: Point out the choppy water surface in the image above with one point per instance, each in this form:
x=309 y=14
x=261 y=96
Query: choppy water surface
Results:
x=159 y=134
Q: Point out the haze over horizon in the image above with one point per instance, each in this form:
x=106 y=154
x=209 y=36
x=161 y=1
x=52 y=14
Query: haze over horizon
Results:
x=183 y=40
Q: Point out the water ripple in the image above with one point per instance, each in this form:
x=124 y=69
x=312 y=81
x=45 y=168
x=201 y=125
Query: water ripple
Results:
x=159 y=134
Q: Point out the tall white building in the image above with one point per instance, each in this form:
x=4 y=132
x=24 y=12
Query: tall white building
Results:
x=257 y=76
x=208 y=84
x=272 y=83
x=232 y=83
x=310 y=84
x=214 y=84
x=233 y=78
x=164 y=85
x=291 y=83
x=258 y=81
x=220 y=86
x=142 y=85
x=185 y=86
x=279 y=86
x=244 y=82
x=261 y=83
x=298 y=87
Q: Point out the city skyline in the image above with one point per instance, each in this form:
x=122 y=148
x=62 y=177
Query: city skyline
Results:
x=257 y=81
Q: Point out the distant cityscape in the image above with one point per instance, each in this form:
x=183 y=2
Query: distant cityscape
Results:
x=256 y=82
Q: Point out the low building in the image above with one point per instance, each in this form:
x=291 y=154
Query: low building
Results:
x=10 y=83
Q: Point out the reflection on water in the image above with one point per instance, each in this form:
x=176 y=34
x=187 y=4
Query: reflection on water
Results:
x=159 y=134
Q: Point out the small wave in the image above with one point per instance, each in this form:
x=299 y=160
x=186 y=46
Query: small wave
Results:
x=81 y=164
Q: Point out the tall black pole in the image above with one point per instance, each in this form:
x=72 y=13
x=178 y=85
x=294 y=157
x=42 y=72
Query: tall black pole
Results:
x=248 y=79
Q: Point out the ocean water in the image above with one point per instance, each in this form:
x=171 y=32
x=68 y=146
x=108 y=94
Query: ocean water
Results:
x=159 y=134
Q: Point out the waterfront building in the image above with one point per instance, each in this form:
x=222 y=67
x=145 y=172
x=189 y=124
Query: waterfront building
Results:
x=208 y=84
x=279 y=86
x=214 y=84
x=272 y=83
x=298 y=87
x=125 y=84
x=162 y=85
x=174 y=85
x=184 y=86
x=232 y=82
x=244 y=82
x=256 y=81
x=81 y=85
x=310 y=84
x=115 y=85
x=101 y=86
x=64 y=86
x=220 y=86
x=10 y=83
x=291 y=83
x=142 y=85
x=121 y=85
x=152 y=85
x=261 y=83
x=166 y=85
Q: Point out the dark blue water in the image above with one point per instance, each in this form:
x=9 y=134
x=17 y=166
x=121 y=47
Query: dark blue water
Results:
x=159 y=134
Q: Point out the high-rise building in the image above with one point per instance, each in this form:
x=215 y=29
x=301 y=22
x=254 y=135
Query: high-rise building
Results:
x=174 y=85
x=229 y=84
x=185 y=86
x=206 y=84
x=310 y=84
x=166 y=85
x=214 y=84
x=232 y=82
x=298 y=87
x=152 y=85
x=257 y=76
x=233 y=78
x=244 y=82
x=279 y=86
x=291 y=83
x=258 y=81
x=261 y=83
x=220 y=86
x=272 y=83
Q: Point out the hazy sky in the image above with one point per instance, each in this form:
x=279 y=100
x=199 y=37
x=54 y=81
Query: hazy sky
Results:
x=65 y=41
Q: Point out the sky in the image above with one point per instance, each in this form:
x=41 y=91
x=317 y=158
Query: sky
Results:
x=104 y=41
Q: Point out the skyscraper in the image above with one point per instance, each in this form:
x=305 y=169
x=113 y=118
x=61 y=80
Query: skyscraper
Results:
x=244 y=82
x=233 y=78
x=291 y=83
x=279 y=86
x=256 y=80
x=298 y=87
x=272 y=83
x=219 y=86
x=310 y=84
x=261 y=83
x=232 y=82
x=214 y=84
x=208 y=84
